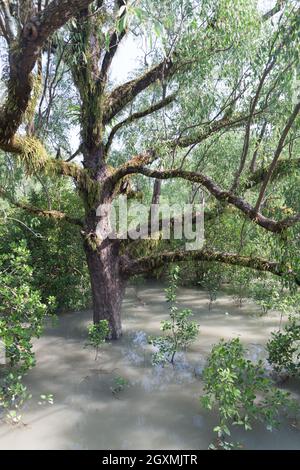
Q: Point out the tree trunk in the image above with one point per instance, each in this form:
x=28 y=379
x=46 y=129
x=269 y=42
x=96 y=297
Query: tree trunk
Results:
x=103 y=259
x=156 y=192
x=107 y=286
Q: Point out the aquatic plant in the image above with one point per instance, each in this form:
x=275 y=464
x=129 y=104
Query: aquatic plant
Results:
x=241 y=392
x=97 y=334
x=284 y=348
x=22 y=316
x=212 y=279
x=180 y=330
x=120 y=383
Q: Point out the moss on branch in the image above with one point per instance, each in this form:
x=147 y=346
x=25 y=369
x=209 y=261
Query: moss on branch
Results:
x=146 y=264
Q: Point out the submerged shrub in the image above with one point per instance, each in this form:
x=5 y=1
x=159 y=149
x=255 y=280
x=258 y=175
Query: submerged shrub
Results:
x=284 y=348
x=97 y=334
x=22 y=317
x=211 y=281
x=240 y=391
x=119 y=385
x=180 y=330
x=270 y=294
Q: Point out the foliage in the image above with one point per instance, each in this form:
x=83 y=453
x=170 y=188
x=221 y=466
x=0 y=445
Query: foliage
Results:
x=46 y=399
x=264 y=297
x=284 y=348
x=239 y=284
x=55 y=247
x=270 y=294
x=240 y=390
x=180 y=330
x=222 y=52
x=212 y=281
x=97 y=335
x=22 y=316
x=120 y=383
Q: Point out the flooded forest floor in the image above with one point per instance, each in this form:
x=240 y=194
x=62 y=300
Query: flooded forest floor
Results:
x=121 y=401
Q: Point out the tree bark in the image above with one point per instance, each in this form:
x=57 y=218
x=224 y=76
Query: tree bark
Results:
x=108 y=287
x=103 y=260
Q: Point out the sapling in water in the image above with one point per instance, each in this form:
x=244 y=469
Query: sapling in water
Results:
x=120 y=383
x=179 y=330
x=241 y=392
x=212 y=282
x=284 y=348
x=97 y=334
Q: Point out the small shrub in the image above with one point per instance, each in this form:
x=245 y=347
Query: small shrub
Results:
x=120 y=383
x=284 y=348
x=22 y=317
x=270 y=295
x=211 y=281
x=180 y=330
x=240 y=390
x=241 y=278
x=97 y=334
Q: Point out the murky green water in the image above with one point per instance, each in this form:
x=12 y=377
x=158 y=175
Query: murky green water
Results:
x=160 y=408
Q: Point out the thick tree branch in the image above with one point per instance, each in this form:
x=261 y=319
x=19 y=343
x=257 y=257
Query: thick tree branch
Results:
x=150 y=263
x=225 y=196
x=114 y=42
x=183 y=142
x=148 y=230
x=124 y=94
x=283 y=168
x=33 y=156
x=22 y=58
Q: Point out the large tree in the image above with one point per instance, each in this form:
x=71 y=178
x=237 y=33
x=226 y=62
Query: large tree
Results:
x=222 y=69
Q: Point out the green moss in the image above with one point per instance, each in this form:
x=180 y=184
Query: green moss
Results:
x=32 y=154
x=36 y=85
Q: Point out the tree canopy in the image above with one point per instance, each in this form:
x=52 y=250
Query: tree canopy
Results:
x=211 y=107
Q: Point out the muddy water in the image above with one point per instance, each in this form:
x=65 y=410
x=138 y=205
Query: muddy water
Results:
x=159 y=409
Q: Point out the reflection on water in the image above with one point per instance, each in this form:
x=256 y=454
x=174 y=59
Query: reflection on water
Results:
x=159 y=409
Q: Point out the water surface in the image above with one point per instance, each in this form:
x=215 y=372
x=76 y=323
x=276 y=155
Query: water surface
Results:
x=160 y=408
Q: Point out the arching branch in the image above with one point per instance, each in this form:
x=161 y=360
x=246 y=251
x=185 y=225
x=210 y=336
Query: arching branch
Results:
x=220 y=194
x=149 y=263
x=125 y=93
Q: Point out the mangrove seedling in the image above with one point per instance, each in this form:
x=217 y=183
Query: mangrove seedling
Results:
x=97 y=334
x=179 y=330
